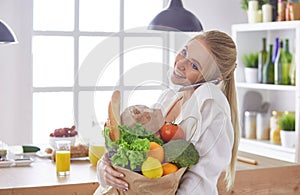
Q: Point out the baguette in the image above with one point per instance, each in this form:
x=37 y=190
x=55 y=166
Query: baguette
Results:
x=114 y=115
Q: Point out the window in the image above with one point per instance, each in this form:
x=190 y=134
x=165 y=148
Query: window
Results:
x=85 y=49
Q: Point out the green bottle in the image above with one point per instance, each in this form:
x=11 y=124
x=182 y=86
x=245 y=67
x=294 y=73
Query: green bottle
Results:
x=268 y=70
x=281 y=67
x=289 y=57
x=262 y=58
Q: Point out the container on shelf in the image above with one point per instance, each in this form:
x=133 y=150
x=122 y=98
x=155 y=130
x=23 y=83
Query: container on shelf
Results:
x=274 y=127
x=262 y=126
x=250 y=125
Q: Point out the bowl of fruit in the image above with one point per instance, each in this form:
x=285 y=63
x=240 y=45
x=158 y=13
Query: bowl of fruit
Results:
x=65 y=133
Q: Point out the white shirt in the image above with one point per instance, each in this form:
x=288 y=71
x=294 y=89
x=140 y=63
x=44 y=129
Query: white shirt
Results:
x=206 y=120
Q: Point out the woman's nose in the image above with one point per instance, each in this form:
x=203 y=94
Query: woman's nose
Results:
x=182 y=63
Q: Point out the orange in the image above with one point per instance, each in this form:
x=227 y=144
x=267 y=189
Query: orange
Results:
x=156 y=151
x=169 y=168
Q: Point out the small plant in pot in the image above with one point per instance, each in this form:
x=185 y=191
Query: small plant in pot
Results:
x=287 y=132
x=250 y=62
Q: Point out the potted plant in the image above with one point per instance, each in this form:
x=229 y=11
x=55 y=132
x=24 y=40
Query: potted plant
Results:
x=287 y=132
x=250 y=62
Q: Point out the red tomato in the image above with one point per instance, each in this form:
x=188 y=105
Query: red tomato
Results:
x=170 y=131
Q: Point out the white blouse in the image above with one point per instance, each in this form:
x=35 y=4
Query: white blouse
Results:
x=206 y=120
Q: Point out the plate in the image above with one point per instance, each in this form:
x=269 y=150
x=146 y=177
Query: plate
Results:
x=6 y=163
x=42 y=154
x=23 y=162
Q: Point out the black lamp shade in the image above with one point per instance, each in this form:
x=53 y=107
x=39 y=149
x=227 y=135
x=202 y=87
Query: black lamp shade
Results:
x=6 y=34
x=176 y=18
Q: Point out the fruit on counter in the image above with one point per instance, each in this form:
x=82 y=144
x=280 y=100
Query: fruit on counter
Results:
x=152 y=168
x=171 y=131
x=65 y=132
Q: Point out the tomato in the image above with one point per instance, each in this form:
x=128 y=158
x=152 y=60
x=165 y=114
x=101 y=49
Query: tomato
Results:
x=170 y=131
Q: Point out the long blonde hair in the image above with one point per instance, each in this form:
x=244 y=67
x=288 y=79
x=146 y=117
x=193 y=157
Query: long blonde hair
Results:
x=223 y=50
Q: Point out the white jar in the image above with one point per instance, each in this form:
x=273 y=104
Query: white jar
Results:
x=252 y=5
x=250 y=125
x=267 y=13
x=262 y=126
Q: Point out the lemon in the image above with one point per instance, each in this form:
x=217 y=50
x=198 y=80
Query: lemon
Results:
x=152 y=168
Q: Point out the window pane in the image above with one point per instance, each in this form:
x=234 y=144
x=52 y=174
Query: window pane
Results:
x=134 y=9
x=141 y=97
x=143 y=61
x=53 y=15
x=53 y=61
x=101 y=65
x=51 y=111
x=99 y=15
x=93 y=114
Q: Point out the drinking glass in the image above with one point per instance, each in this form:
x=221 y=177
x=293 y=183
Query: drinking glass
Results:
x=63 y=157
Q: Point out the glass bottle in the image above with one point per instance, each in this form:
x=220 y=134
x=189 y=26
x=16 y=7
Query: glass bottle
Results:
x=274 y=127
x=293 y=70
x=262 y=58
x=289 y=57
x=268 y=70
x=275 y=49
x=281 y=67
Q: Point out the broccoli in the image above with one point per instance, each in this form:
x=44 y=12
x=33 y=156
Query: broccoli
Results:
x=181 y=152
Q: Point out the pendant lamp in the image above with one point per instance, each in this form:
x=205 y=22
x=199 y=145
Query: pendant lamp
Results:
x=176 y=18
x=6 y=34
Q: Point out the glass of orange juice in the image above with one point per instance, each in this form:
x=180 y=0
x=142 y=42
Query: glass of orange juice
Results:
x=63 y=157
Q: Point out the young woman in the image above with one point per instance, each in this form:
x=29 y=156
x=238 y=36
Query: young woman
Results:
x=208 y=113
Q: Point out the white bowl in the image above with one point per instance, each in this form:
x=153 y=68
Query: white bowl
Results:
x=52 y=140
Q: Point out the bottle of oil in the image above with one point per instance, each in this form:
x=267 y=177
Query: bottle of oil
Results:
x=268 y=70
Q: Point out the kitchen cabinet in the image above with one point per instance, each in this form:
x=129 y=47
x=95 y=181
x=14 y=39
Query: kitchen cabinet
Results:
x=248 y=38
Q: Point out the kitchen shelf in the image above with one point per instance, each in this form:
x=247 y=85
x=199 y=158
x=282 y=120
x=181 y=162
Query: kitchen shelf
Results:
x=268 y=149
x=248 y=38
x=265 y=86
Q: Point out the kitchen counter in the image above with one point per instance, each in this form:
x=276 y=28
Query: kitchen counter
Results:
x=40 y=177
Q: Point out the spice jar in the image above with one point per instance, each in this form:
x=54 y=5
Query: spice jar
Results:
x=262 y=126
x=274 y=127
x=250 y=125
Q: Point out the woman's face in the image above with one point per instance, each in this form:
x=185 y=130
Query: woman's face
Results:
x=193 y=64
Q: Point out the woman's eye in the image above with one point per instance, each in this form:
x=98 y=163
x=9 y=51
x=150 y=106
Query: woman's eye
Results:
x=194 y=66
x=184 y=52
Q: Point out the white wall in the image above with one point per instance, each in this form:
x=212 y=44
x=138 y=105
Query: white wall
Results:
x=15 y=74
x=16 y=68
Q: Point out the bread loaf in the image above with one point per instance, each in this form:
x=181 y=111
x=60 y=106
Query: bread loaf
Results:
x=114 y=115
x=151 y=119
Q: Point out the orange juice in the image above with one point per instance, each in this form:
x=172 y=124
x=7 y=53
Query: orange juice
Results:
x=63 y=162
x=95 y=153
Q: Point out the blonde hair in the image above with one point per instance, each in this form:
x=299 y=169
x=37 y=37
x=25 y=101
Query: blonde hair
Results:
x=223 y=50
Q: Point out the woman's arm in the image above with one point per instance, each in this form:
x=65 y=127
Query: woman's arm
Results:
x=214 y=144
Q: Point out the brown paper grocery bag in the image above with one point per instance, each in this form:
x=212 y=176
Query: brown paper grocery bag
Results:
x=139 y=184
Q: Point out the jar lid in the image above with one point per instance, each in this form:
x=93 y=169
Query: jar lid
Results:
x=250 y=113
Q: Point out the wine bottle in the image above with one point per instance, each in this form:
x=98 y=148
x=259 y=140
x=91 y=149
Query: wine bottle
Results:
x=262 y=58
x=293 y=70
x=289 y=57
x=281 y=67
x=276 y=49
x=268 y=70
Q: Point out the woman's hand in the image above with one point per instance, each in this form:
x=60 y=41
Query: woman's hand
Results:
x=111 y=176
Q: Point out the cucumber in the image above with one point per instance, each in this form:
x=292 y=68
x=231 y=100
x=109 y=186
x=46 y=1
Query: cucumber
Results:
x=27 y=149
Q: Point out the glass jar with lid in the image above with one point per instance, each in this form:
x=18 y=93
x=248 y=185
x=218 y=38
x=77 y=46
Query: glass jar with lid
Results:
x=250 y=125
